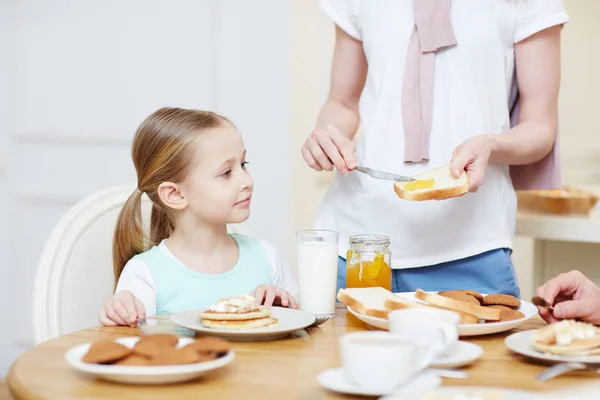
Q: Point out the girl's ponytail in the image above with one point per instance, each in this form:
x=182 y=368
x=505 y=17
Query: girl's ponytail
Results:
x=129 y=233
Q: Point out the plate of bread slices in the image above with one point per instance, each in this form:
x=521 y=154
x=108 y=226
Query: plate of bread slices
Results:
x=480 y=314
x=242 y=318
x=151 y=359
x=567 y=340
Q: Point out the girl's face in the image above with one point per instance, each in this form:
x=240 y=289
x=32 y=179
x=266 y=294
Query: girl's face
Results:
x=218 y=188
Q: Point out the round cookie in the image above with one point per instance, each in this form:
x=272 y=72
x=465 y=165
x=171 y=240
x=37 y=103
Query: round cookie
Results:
x=149 y=346
x=106 y=351
x=173 y=356
x=210 y=345
x=507 y=313
x=501 y=300
x=133 y=360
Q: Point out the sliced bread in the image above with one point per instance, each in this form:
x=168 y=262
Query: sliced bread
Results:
x=437 y=184
x=368 y=301
x=485 y=313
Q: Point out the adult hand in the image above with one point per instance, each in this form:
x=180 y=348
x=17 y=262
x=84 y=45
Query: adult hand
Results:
x=328 y=147
x=573 y=296
x=472 y=157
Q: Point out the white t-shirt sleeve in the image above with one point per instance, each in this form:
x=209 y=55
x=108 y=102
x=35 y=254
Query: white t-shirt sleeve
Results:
x=344 y=14
x=533 y=16
x=136 y=278
x=282 y=274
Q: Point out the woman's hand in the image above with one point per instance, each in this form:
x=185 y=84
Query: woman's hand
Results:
x=472 y=157
x=327 y=148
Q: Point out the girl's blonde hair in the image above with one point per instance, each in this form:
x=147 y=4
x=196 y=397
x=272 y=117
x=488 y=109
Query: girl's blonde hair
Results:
x=162 y=152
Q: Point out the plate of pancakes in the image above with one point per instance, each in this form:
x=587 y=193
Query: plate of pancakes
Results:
x=151 y=359
x=264 y=323
x=565 y=341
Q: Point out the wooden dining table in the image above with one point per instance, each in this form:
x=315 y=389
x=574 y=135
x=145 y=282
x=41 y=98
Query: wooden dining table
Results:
x=280 y=369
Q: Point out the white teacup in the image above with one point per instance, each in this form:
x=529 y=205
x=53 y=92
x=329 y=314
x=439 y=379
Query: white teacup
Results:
x=437 y=328
x=382 y=361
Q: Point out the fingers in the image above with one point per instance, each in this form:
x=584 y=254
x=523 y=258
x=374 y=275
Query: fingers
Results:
x=547 y=315
x=293 y=303
x=123 y=310
x=104 y=320
x=111 y=313
x=347 y=149
x=310 y=160
x=571 y=309
x=284 y=297
x=475 y=173
x=563 y=285
x=459 y=162
x=270 y=294
x=327 y=148
x=333 y=154
x=259 y=293
x=128 y=304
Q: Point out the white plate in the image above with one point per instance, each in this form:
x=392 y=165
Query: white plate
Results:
x=153 y=375
x=528 y=309
x=459 y=355
x=520 y=343
x=333 y=379
x=289 y=321
x=457 y=390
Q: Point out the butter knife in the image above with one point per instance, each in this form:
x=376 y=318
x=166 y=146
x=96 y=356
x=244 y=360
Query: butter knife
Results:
x=383 y=175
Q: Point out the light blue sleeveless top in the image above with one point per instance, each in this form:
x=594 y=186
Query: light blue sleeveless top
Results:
x=179 y=288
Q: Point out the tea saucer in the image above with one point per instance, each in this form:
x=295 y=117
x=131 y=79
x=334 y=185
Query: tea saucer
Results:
x=459 y=355
x=334 y=379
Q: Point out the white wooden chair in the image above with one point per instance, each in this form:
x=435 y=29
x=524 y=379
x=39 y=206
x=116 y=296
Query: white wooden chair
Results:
x=75 y=273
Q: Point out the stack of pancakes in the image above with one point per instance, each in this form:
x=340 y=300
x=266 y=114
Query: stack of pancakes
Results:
x=238 y=313
x=569 y=338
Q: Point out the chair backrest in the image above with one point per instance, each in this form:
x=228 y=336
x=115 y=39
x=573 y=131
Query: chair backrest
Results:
x=75 y=275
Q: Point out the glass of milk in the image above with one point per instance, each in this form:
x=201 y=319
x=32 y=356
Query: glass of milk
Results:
x=317 y=262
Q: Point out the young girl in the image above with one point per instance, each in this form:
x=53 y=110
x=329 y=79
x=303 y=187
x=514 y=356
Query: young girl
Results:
x=192 y=165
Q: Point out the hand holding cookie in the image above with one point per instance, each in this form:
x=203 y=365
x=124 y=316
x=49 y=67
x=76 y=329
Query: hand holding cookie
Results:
x=270 y=295
x=574 y=297
x=122 y=309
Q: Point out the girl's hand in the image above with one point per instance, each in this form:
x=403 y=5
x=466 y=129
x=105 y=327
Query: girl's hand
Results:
x=122 y=309
x=472 y=157
x=270 y=295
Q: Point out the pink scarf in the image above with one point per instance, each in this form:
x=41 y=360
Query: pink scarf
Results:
x=433 y=32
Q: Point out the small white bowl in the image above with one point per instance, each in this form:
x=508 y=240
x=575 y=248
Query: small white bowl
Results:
x=143 y=375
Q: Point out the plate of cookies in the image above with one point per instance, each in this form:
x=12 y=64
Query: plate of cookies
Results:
x=480 y=314
x=567 y=340
x=242 y=318
x=151 y=359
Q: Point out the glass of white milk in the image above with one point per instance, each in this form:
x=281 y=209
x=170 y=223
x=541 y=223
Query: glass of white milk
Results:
x=317 y=262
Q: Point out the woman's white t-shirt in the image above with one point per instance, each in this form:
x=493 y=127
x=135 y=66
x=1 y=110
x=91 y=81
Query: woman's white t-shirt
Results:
x=472 y=82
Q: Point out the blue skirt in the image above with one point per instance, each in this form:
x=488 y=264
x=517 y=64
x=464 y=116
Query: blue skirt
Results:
x=489 y=272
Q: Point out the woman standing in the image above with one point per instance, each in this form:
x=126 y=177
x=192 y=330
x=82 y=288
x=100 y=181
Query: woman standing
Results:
x=430 y=83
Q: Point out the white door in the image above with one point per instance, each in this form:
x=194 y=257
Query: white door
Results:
x=77 y=77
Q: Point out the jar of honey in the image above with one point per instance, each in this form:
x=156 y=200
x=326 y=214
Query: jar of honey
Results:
x=368 y=262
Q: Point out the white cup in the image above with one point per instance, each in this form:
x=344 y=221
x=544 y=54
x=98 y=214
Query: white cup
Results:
x=437 y=328
x=317 y=265
x=382 y=361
